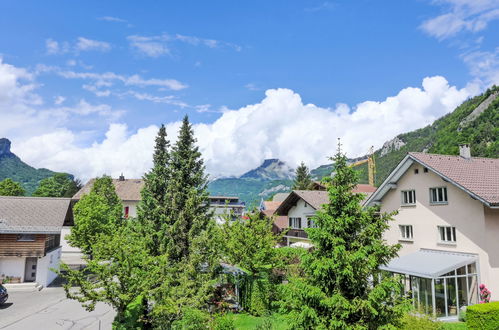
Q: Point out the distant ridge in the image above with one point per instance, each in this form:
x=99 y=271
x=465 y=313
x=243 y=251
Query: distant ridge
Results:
x=13 y=167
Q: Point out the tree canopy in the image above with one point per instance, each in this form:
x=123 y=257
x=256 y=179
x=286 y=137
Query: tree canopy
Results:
x=9 y=187
x=58 y=185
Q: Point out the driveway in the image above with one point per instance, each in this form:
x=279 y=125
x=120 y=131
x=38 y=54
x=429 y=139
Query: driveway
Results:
x=30 y=309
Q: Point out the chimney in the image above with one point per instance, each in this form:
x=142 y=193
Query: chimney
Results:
x=122 y=177
x=464 y=151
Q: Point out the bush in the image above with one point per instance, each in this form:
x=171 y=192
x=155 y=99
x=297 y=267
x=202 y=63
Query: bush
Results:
x=193 y=319
x=223 y=322
x=483 y=316
x=132 y=316
x=462 y=314
x=419 y=322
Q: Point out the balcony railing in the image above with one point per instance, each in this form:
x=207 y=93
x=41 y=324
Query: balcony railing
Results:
x=296 y=233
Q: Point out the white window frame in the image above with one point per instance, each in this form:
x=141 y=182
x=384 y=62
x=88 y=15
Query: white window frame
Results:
x=293 y=221
x=406 y=232
x=447 y=234
x=408 y=197
x=444 y=194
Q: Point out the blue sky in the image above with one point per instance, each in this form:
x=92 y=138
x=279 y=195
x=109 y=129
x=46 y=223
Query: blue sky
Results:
x=87 y=65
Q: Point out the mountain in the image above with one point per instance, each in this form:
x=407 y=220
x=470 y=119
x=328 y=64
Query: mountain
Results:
x=271 y=177
x=13 y=167
x=476 y=122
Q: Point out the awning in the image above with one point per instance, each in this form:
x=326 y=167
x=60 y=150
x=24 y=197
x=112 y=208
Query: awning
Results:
x=429 y=263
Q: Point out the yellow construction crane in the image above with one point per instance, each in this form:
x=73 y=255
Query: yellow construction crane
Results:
x=371 y=165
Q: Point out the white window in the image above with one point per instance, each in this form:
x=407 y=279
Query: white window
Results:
x=295 y=223
x=438 y=195
x=408 y=197
x=311 y=223
x=447 y=234
x=406 y=231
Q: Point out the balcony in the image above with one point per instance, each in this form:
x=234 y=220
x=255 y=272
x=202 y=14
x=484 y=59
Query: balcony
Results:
x=300 y=233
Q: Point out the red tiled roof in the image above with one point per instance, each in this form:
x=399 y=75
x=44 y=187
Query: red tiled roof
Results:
x=364 y=188
x=127 y=190
x=479 y=176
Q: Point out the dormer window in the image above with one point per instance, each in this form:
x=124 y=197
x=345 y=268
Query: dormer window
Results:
x=408 y=197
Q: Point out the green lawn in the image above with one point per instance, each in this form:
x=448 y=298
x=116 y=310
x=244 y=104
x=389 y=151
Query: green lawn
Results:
x=245 y=321
x=454 y=326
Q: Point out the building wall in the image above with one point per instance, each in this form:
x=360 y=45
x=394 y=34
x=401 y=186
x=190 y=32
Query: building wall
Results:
x=66 y=248
x=44 y=275
x=9 y=246
x=12 y=266
x=473 y=233
x=132 y=211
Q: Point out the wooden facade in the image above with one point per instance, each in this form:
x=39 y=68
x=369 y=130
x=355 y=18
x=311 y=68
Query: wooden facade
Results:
x=10 y=246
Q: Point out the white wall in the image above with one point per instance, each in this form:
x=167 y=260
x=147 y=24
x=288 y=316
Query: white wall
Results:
x=66 y=248
x=132 y=211
x=462 y=212
x=12 y=266
x=301 y=210
x=44 y=276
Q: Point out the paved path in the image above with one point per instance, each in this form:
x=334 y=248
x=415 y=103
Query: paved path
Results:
x=28 y=309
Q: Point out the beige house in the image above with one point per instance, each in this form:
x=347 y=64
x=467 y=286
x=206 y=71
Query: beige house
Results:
x=448 y=226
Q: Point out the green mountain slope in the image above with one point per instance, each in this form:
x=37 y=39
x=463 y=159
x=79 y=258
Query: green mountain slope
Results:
x=476 y=122
x=13 y=167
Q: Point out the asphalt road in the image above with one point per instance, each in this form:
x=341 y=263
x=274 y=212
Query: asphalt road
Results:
x=49 y=309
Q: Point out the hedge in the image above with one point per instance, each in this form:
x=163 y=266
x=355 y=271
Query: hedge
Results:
x=483 y=316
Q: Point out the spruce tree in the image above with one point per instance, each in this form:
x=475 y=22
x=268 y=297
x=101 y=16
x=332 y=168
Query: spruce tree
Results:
x=188 y=208
x=343 y=287
x=302 y=181
x=152 y=210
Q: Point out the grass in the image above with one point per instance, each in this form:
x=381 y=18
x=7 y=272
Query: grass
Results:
x=246 y=321
x=454 y=326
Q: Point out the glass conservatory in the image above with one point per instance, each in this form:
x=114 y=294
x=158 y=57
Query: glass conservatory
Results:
x=440 y=282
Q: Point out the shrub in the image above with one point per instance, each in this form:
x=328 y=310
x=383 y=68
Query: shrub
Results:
x=419 y=322
x=132 y=316
x=223 y=322
x=483 y=316
x=193 y=319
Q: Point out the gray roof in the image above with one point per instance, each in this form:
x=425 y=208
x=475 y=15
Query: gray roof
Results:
x=127 y=190
x=34 y=215
x=429 y=263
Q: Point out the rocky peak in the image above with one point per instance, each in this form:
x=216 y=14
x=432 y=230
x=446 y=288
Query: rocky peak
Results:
x=271 y=169
x=393 y=144
x=4 y=146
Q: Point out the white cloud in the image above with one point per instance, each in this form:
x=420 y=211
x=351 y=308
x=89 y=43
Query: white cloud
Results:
x=156 y=46
x=484 y=66
x=280 y=126
x=58 y=100
x=112 y=19
x=84 y=44
x=107 y=79
x=461 y=15
x=169 y=99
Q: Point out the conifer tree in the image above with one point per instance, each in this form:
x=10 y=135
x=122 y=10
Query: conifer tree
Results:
x=152 y=210
x=188 y=208
x=343 y=287
x=302 y=181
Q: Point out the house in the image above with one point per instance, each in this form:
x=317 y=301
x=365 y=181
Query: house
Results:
x=448 y=226
x=223 y=206
x=30 y=232
x=268 y=208
x=300 y=207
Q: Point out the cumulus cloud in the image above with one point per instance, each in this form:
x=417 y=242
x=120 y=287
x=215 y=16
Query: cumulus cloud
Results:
x=280 y=126
x=461 y=15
